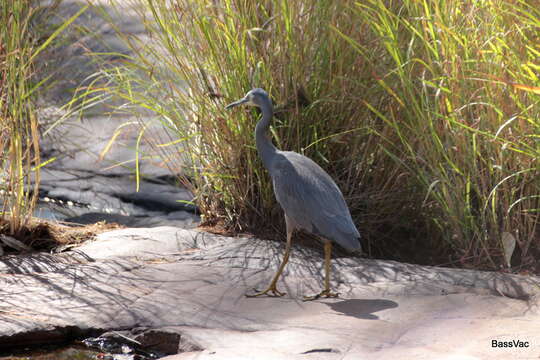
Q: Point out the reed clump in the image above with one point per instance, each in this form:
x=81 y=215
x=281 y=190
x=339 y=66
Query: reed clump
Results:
x=424 y=112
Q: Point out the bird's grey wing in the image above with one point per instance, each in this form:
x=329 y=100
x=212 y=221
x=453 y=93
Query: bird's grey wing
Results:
x=310 y=197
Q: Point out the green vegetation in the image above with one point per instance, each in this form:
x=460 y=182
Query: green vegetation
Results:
x=426 y=113
x=20 y=44
x=19 y=138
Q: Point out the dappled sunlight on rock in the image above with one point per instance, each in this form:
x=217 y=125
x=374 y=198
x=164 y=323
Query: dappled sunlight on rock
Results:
x=195 y=282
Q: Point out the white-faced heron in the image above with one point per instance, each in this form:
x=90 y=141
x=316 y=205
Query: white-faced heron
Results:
x=309 y=197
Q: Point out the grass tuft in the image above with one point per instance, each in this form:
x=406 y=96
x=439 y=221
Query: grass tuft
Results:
x=22 y=40
x=19 y=139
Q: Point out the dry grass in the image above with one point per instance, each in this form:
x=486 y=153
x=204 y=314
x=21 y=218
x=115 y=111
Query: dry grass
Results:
x=42 y=235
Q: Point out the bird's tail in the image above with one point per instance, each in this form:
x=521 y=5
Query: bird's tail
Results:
x=351 y=243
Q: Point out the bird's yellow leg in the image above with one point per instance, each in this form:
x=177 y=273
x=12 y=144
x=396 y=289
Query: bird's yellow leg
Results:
x=326 y=292
x=272 y=288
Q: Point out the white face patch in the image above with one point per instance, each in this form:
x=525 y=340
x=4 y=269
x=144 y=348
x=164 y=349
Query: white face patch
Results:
x=250 y=100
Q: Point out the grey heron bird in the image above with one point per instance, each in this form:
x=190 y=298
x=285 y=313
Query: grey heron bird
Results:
x=309 y=197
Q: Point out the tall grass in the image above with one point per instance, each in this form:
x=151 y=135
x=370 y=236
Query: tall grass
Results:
x=19 y=145
x=462 y=80
x=20 y=44
x=424 y=112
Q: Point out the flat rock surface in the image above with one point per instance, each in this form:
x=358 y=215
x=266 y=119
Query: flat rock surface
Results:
x=194 y=283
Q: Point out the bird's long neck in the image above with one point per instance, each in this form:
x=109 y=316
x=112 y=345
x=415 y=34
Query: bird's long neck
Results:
x=264 y=144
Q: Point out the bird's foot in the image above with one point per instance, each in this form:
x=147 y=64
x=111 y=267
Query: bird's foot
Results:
x=325 y=293
x=271 y=291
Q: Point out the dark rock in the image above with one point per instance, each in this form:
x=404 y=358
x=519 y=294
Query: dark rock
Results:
x=49 y=335
x=150 y=343
x=166 y=341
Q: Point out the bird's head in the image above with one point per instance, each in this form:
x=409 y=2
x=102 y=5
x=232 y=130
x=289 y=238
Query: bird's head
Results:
x=255 y=97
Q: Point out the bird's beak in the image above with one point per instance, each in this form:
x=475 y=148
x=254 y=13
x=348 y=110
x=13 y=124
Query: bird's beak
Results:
x=236 y=103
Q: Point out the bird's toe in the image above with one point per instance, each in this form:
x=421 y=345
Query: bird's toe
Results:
x=271 y=291
x=322 y=294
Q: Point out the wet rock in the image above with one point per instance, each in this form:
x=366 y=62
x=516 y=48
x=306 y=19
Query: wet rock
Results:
x=113 y=342
x=186 y=220
x=84 y=197
x=51 y=352
x=142 y=343
x=157 y=200
x=164 y=341
x=45 y=335
x=117 y=193
x=160 y=341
